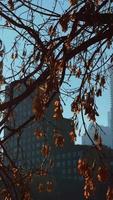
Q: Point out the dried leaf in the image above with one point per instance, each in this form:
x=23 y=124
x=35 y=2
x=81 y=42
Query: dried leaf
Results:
x=73 y=2
x=45 y=150
x=39 y=134
x=41 y=187
x=72 y=136
x=64 y=20
x=49 y=186
x=52 y=31
x=1 y=67
x=58 y=140
x=11 y=4
x=57 y=110
x=102 y=175
x=109 y=194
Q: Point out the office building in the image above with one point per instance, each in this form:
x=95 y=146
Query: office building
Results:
x=24 y=147
x=103 y=132
x=55 y=175
x=67 y=183
x=111 y=109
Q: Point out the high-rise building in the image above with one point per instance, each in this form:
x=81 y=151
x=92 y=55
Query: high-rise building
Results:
x=67 y=183
x=111 y=109
x=103 y=132
x=23 y=147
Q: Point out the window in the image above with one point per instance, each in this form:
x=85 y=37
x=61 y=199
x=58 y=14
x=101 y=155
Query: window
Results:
x=68 y=162
x=69 y=171
x=80 y=178
x=33 y=160
x=74 y=154
x=38 y=144
x=63 y=163
x=75 y=176
x=58 y=164
x=79 y=153
x=63 y=155
x=69 y=155
x=58 y=156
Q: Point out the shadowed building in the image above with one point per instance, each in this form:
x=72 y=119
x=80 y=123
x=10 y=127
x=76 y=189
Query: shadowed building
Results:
x=23 y=147
x=62 y=180
x=67 y=183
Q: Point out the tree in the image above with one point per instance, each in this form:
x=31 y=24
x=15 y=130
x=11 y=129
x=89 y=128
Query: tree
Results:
x=71 y=39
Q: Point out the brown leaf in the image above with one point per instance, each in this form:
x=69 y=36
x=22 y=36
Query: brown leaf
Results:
x=73 y=2
x=49 y=186
x=102 y=175
x=45 y=150
x=109 y=194
x=72 y=136
x=11 y=4
x=64 y=20
x=52 y=31
x=39 y=134
x=58 y=140
x=41 y=187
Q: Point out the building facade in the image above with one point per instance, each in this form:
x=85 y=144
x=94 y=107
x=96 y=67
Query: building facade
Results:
x=24 y=147
x=103 y=132
x=67 y=183
x=55 y=175
x=111 y=109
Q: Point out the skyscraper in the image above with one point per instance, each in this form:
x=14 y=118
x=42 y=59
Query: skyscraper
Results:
x=23 y=147
x=111 y=110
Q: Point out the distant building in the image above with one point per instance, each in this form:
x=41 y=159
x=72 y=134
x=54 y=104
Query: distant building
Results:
x=111 y=110
x=102 y=131
x=109 y=120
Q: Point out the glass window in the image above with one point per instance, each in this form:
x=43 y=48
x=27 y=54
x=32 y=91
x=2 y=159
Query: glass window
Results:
x=80 y=178
x=58 y=156
x=79 y=153
x=63 y=163
x=63 y=155
x=37 y=144
x=69 y=155
x=75 y=177
x=58 y=164
x=74 y=153
x=111 y=163
x=68 y=162
x=74 y=163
